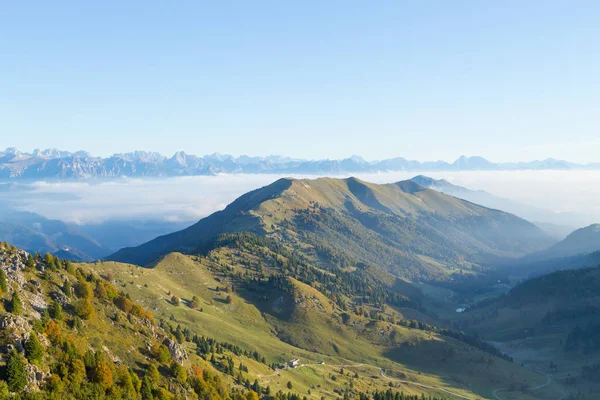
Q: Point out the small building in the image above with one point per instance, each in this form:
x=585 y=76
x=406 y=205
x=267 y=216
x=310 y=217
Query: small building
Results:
x=294 y=363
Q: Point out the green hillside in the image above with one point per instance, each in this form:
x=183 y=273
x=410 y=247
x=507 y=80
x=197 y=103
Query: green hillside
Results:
x=240 y=289
x=550 y=323
x=80 y=332
x=582 y=241
x=403 y=228
x=67 y=333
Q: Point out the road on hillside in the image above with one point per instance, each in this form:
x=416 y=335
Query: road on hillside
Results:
x=381 y=372
x=543 y=385
x=383 y=375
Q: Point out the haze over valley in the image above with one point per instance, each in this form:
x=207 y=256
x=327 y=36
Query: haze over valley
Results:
x=299 y=200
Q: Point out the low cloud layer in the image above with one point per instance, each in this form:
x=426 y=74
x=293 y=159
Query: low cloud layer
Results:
x=190 y=198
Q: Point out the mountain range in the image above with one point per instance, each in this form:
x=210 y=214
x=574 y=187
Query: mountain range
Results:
x=56 y=164
x=353 y=283
x=83 y=242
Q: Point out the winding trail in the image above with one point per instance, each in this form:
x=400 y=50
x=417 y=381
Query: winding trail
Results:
x=424 y=386
x=405 y=382
x=381 y=372
x=543 y=385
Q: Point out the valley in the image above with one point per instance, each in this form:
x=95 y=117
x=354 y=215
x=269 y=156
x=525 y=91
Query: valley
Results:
x=314 y=200
x=371 y=288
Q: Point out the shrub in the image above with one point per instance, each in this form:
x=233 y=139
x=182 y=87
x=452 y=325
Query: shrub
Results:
x=161 y=353
x=123 y=303
x=100 y=291
x=84 y=308
x=178 y=372
x=84 y=290
x=102 y=375
x=54 y=332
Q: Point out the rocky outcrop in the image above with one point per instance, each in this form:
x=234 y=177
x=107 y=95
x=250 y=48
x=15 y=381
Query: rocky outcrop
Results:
x=59 y=297
x=178 y=353
x=35 y=377
x=16 y=329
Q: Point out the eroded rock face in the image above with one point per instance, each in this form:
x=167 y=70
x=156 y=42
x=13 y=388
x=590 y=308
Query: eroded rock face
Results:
x=13 y=265
x=59 y=297
x=37 y=301
x=16 y=328
x=178 y=353
x=35 y=377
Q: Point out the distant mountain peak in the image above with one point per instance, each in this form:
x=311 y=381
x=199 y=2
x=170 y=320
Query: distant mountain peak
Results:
x=351 y=205
x=358 y=159
x=82 y=165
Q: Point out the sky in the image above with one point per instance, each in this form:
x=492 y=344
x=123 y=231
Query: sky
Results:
x=426 y=80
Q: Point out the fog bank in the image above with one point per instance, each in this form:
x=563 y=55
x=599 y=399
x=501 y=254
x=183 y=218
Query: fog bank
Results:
x=190 y=198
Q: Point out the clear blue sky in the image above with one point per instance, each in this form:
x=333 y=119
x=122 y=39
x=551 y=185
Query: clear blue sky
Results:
x=507 y=80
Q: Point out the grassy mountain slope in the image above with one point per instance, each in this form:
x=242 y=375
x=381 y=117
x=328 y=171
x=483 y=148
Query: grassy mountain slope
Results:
x=92 y=341
x=236 y=292
x=69 y=334
x=581 y=241
x=402 y=227
x=559 y=225
x=551 y=323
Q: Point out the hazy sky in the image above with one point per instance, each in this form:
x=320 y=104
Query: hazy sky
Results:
x=507 y=80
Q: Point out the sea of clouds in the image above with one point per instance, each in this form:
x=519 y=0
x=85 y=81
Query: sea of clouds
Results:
x=190 y=198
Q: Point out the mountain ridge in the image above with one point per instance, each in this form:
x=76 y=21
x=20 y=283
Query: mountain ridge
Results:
x=557 y=224
x=579 y=242
x=59 y=165
x=405 y=226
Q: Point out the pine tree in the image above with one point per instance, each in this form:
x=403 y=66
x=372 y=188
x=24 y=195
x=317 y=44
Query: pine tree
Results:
x=55 y=310
x=152 y=374
x=15 y=304
x=33 y=349
x=30 y=264
x=3 y=287
x=16 y=373
x=67 y=288
x=146 y=390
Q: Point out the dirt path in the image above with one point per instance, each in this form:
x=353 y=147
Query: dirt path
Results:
x=404 y=382
x=383 y=375
x=543 y=385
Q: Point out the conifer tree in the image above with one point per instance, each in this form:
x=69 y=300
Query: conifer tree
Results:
x=15 y=304
x=67 y=288
x=33 y=349
x=3 y=287
x=55 y=310
x=146 y=390
x=16 y=373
